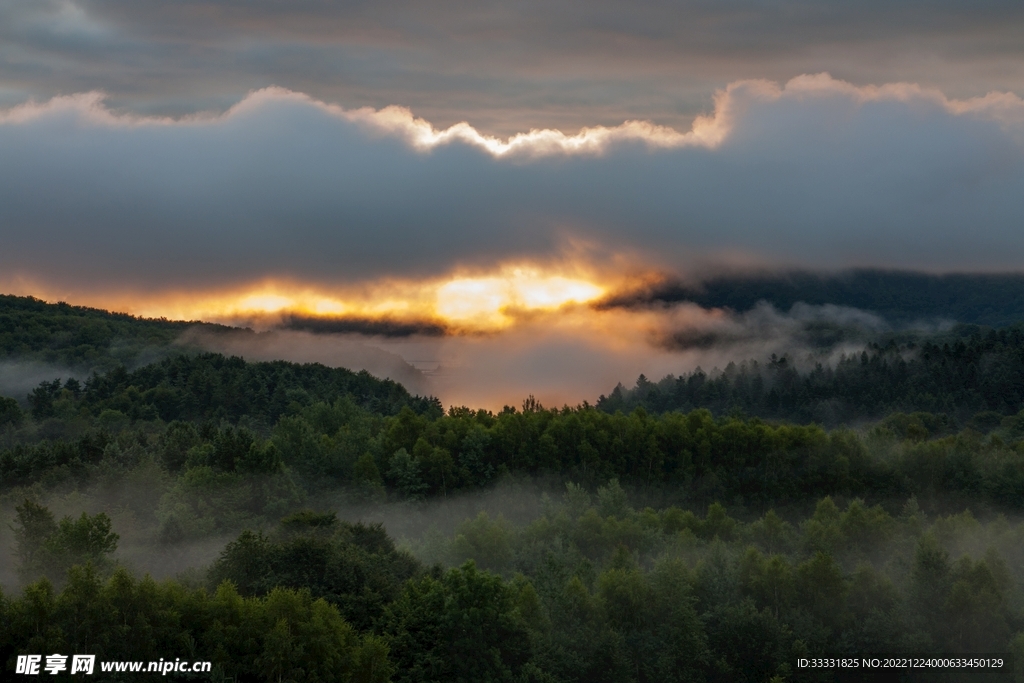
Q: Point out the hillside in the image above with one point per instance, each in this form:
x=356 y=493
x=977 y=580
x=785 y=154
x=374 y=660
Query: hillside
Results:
x=89 y=339
x=316 y=509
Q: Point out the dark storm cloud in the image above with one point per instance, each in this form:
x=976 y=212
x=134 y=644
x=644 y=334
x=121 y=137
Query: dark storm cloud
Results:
x=504 y=66
x=819 y=173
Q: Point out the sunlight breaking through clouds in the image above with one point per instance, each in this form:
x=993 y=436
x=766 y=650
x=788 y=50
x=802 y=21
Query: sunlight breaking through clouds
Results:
x=459 y=304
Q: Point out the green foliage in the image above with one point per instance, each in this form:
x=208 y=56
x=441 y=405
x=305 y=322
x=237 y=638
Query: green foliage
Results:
x=405 y=472
x=34 y=524
x=345 y=431
x=353 y=566
x=643 y=595
x=636 y=596
x=175 y=444
x=286 y=635
x=80 y=337
x=205 y=500
x=210 y=386
x=654 y=615
x=10 y=413
x=367 y=479
x=486 y=542
x=461 y=627
x=474 y=456
x=47 y=548
x=611 y=500
x=579 y=645
x=84 y=539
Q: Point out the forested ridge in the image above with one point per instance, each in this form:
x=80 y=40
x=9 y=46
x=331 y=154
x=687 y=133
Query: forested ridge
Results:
x=976 y=373
x=83 y=338
x=995 y=299
x=414 y=455
x=210 y=386
x=708 y=541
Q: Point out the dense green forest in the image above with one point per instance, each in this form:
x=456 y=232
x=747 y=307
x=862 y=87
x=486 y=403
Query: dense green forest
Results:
x=417 y=452
x=723 y=537
x=593 y=590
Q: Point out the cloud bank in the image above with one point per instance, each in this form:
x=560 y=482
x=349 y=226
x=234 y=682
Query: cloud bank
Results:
x=505 y=66
x=817 y=173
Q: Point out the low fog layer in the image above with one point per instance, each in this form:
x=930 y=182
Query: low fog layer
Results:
x=131 y=503
x=18 y=378
x=576 y=358
x=577 y=354
x=567 y=357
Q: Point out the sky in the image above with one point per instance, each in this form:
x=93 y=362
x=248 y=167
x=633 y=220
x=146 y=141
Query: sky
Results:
x=467 y=185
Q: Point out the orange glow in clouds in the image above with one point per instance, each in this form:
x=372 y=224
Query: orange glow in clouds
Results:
x=487 y=302
x=484 y=303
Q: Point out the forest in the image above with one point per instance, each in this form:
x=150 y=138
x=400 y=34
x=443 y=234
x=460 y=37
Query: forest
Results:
x=295 y=522
x=969 y=375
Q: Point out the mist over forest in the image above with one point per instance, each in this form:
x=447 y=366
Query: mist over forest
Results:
x=307 y=522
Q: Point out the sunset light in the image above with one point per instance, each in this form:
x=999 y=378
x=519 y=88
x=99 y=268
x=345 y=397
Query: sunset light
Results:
x=490 y=301
x=266 y=303
x=460 y=304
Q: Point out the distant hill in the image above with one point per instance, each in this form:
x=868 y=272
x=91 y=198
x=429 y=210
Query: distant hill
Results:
x=976 y=380
x=40 y=342
x=87 y=338
x=209 y=386
x=995 y=300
